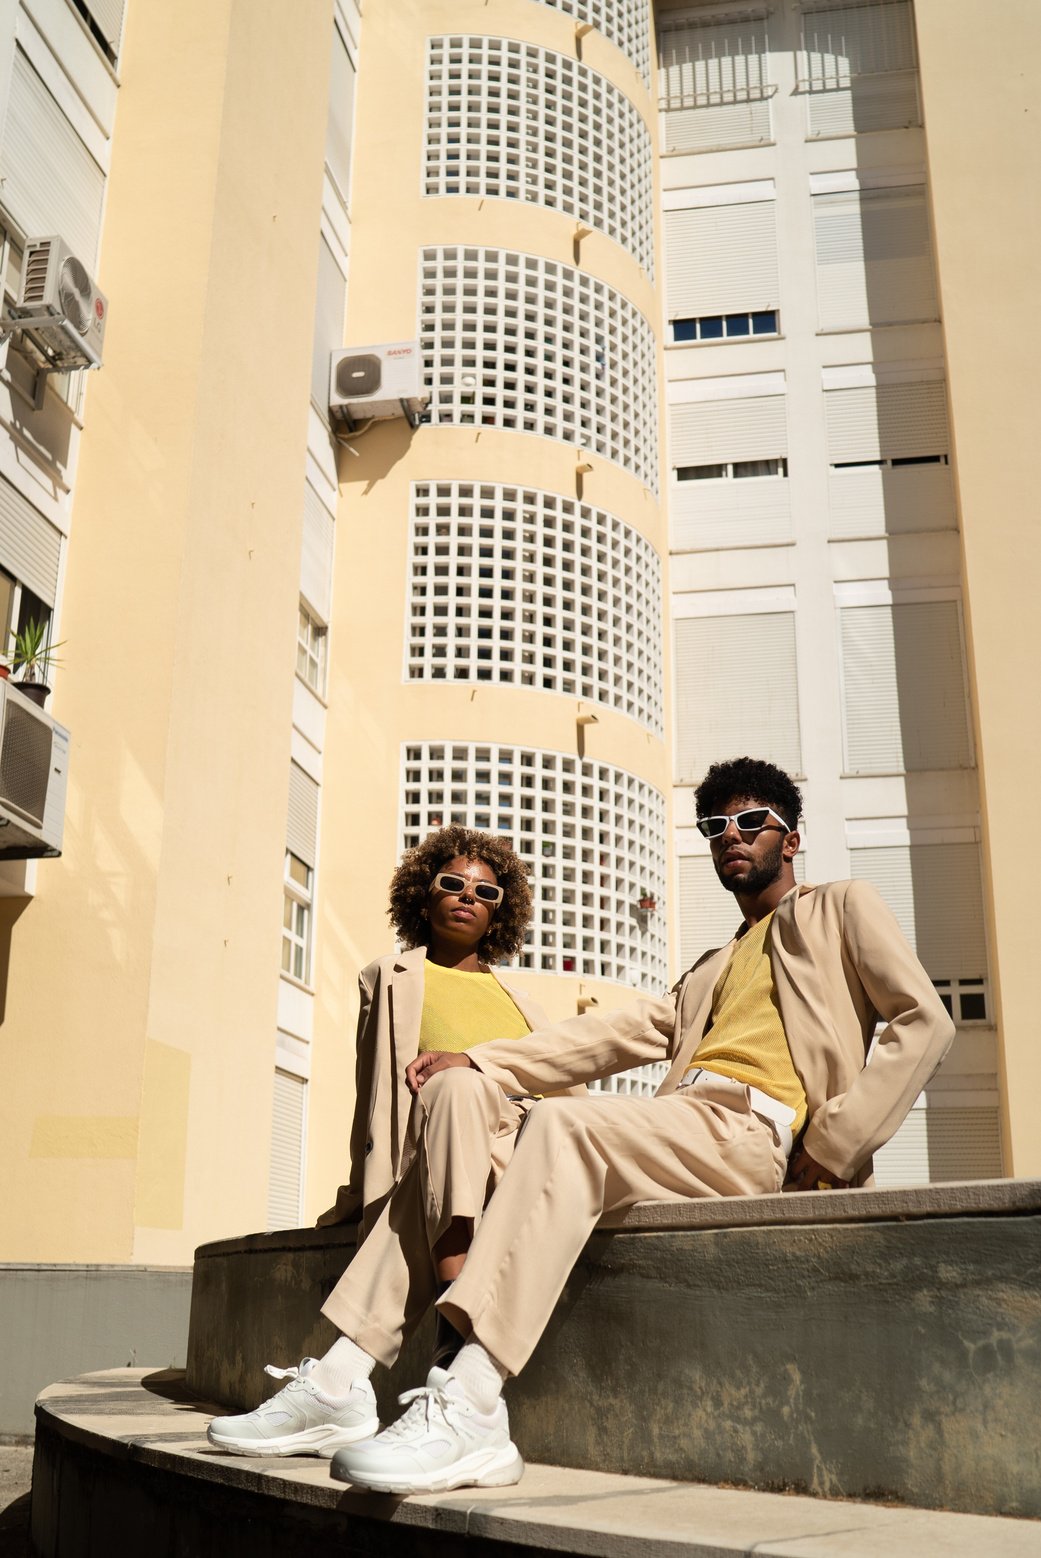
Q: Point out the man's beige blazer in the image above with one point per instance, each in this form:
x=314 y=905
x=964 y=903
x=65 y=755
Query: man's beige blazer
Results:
x=840 y=963
x=391 y=1011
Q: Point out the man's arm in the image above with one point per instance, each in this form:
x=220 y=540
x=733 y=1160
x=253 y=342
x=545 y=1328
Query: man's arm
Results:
x=846 y=1130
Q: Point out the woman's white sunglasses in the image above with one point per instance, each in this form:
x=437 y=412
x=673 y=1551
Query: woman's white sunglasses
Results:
x=448 y=882
x=753 y=820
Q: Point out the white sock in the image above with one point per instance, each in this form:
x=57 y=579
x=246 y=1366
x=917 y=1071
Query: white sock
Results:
x=480 y=1375
x=336 y=1372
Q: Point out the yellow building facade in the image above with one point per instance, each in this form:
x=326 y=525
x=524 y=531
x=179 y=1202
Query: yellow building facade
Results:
x=294 y=647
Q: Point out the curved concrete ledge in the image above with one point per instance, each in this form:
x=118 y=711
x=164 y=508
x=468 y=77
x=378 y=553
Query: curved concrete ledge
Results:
x=123 y=1467
x=864 y=1344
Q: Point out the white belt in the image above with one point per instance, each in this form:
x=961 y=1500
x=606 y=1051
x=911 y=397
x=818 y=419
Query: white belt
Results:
x=772 y=1110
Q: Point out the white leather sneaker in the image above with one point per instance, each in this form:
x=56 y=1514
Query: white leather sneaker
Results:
x=442 y=1441
x=300 y=1420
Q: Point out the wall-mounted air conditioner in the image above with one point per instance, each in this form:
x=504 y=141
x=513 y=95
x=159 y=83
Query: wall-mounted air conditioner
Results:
x=34 y=767
x=59 y=307
x=377 y=381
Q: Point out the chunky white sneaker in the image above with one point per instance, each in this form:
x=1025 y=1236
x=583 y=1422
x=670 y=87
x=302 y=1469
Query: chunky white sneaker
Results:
x=300 y=1420
x=442 y=1441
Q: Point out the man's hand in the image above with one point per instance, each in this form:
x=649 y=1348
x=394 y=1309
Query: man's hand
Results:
x=431 y=1060
x=805 y=1173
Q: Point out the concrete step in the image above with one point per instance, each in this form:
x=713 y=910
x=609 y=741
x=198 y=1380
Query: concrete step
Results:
x=123 y=1468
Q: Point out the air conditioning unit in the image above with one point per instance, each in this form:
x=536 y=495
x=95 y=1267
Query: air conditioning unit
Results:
x=59 y=308
x=34 y=766
x=377 y=381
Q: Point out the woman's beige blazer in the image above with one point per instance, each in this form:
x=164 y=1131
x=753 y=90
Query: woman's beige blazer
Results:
x=391 y=991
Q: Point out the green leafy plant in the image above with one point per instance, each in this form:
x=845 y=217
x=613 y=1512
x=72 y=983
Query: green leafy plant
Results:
x=33 y=656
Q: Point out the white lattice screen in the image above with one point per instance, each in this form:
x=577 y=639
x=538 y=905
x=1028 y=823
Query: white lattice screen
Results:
x=519 y=586
x=514 y=121
x=592 y=834
x=625 y=22
x=516 y=341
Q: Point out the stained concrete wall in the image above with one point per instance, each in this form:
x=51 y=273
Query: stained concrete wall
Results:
x=865 y=1344
x=58 y=1321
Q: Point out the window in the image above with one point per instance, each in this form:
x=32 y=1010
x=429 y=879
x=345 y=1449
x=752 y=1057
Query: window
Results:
x=713 y=82
x=296 y=920
x=339 y=133
x=104 y=22
x=858 y=65
x=965 y=999
x=735 y=470
x=887 y=447
x=720 y=327
x=310 y=651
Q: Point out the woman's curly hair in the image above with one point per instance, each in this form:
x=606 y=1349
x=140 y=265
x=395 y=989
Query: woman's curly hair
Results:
x=411 y=882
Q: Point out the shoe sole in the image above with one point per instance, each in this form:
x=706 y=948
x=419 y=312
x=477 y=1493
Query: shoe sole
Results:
x=473 y=1471
x=310 y=1441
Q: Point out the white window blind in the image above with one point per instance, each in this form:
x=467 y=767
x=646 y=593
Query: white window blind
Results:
x=721 y=259
x=905 y=707
x=316 y=562
x=880 y=501
x=713 y=82
x=302 y=824
x=29 y=545
x=845 y=41
x=705 y=515
x=330 y=301
x=286 y=1172
x=886 y=421
x=51 y=183
x=754 y=707
x=938 y=1144
x=108 y=14
x=874 y=258
x=340 y=126
x=935 y=892
x=707 y=432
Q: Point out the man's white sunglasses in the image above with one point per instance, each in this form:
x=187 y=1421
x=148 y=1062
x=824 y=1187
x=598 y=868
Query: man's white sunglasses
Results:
x=448 y=882
x=753 y=820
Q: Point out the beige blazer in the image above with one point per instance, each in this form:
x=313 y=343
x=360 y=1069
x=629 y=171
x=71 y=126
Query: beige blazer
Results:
x=840 y=964
x=391 y=991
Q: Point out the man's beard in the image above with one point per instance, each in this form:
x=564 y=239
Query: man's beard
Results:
x=759 y=877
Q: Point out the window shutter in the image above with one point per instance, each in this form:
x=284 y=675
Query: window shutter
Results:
x=846 y=41
x=904 y=706
x=286 y=1174
x=707 y=432
x=936 y=894
x=340 y=129
x=108 y=14
x=886 y=421
x=705 y=515
x=938 y=1144
x=29 y=545
x=720 y=712
x=302 y=826
x=878 y=502
x=316 y=564
x=874 y=259
x=712 y=81
x=51 y=183
x=330 y=301
x=721 y=259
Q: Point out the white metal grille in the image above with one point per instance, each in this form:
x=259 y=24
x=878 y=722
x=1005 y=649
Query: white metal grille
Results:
x=516 y=341
x=625 y=22
x=592 y=834
x=511 y=120
x=524 y=587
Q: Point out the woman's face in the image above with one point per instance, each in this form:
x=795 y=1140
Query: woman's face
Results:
x=461 y=919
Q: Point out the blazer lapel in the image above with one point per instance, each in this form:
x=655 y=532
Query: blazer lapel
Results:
x=799 y=990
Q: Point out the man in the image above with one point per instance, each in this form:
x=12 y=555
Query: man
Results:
x=768 y=1039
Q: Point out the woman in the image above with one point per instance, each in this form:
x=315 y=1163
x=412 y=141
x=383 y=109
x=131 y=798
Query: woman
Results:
x=458 y=901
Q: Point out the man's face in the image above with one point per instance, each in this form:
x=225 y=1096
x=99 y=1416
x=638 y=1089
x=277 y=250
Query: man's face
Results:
x=748 y=863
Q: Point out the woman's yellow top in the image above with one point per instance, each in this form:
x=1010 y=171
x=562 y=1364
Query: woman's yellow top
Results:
x=462 y=1009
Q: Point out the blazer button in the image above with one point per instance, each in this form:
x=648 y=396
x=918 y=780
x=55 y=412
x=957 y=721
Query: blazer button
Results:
x=368 y=1147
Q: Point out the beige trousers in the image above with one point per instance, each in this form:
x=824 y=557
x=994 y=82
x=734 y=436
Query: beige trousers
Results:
x=575 y=1159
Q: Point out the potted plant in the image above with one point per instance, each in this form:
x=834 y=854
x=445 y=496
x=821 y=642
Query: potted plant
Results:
x=32 y=660
x=647 y=900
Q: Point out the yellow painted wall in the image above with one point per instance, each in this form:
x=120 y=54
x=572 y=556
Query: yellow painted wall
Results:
x=142 y=992
x=982 y=107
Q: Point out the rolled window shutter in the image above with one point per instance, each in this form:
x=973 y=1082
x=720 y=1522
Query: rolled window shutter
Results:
x=51 y=183
x=316 y=564
x=302 y=825
x=874 y=259
x=721 y=259
x=707 y=432
x=29 y=545
x=719 y=715
x=286 y=1172
x=935 y=892
x=841 y=42
x=878 y=502
x=905 y=706
x=340 y=127
x=108 y=14
x=707 y=515
x=936 y=1144
x=710 y=63
x=886 y=421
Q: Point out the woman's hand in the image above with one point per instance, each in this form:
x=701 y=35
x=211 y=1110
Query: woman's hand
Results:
x=431 y=1060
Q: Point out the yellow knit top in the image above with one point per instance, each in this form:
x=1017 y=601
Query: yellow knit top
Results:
x=462 y=1009
x=745 y=1038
